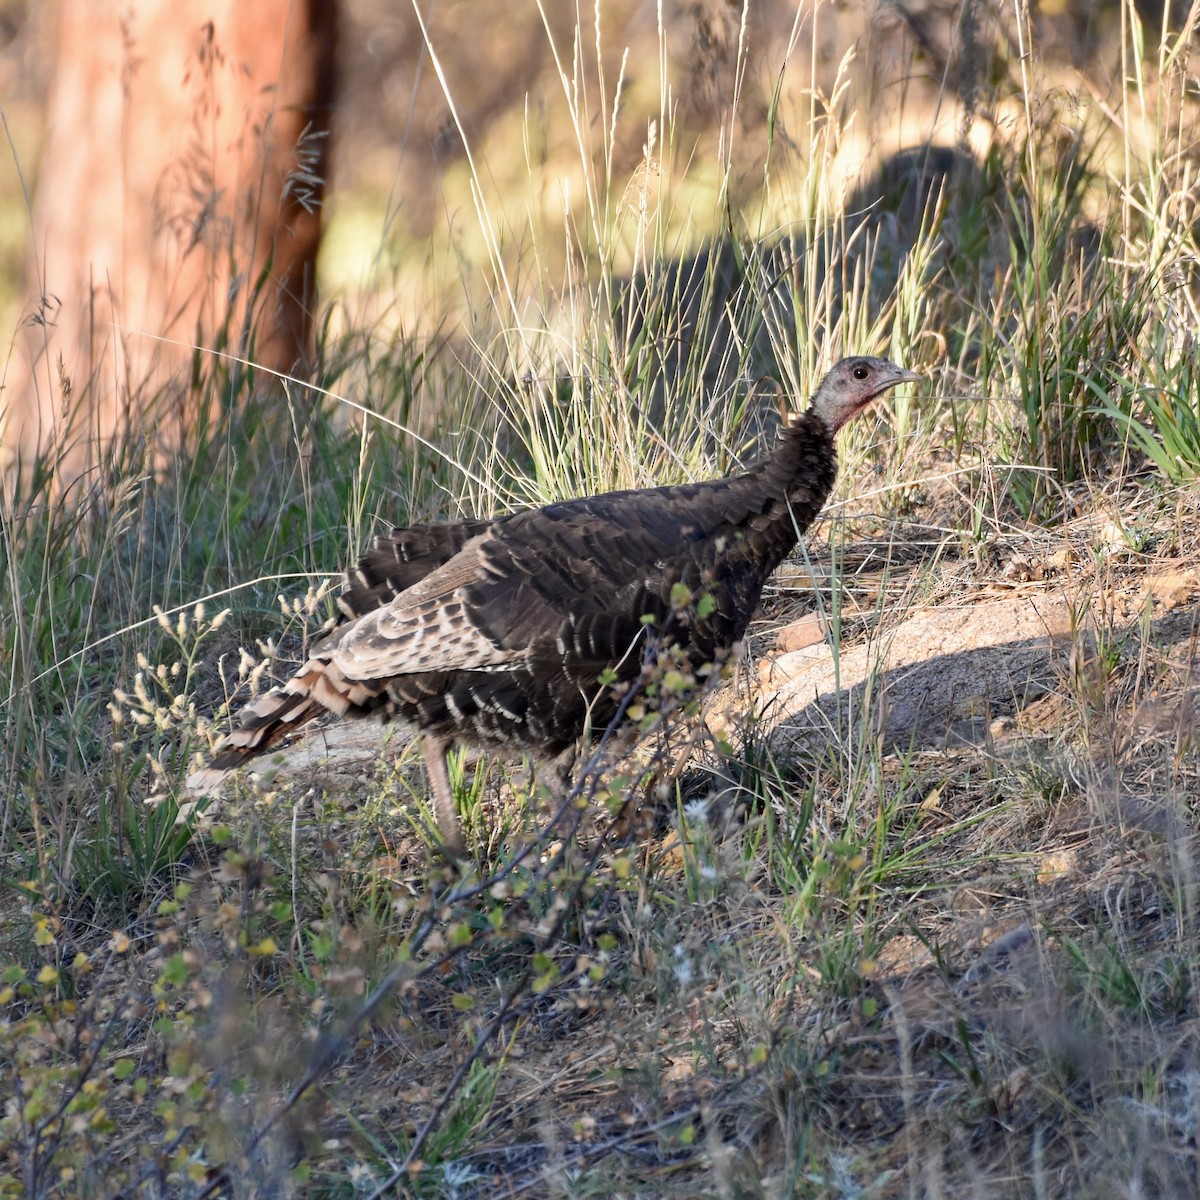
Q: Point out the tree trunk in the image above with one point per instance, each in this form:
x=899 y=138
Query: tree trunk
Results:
x=177 y=206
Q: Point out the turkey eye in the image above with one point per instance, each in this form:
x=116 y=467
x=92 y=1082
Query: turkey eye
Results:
x=860 y=372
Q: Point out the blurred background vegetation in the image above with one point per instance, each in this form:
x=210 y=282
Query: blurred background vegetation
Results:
x=402 y=235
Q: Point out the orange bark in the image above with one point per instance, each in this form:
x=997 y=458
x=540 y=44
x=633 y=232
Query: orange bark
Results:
x=178 y=198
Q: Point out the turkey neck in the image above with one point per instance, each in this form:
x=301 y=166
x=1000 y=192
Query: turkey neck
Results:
x=776 y=499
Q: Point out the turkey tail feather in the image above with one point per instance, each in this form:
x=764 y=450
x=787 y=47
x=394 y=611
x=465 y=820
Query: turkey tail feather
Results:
x=317 y=688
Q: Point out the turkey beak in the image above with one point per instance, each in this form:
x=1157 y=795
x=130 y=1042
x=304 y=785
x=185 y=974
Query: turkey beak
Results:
x=899 y=378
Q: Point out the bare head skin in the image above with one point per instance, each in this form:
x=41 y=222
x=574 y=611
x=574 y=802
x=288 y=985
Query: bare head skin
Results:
x=852 y=384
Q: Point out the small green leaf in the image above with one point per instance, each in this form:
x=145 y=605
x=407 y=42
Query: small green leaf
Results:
x=175 y=970
x=673 y=681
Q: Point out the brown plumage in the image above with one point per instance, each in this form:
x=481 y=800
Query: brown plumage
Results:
x=499 y=631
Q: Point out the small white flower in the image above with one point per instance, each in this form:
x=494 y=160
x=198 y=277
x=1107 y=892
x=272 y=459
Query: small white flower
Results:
x=682 y=968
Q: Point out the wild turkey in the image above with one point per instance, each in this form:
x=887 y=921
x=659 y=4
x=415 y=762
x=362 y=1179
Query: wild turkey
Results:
x=522 y=631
